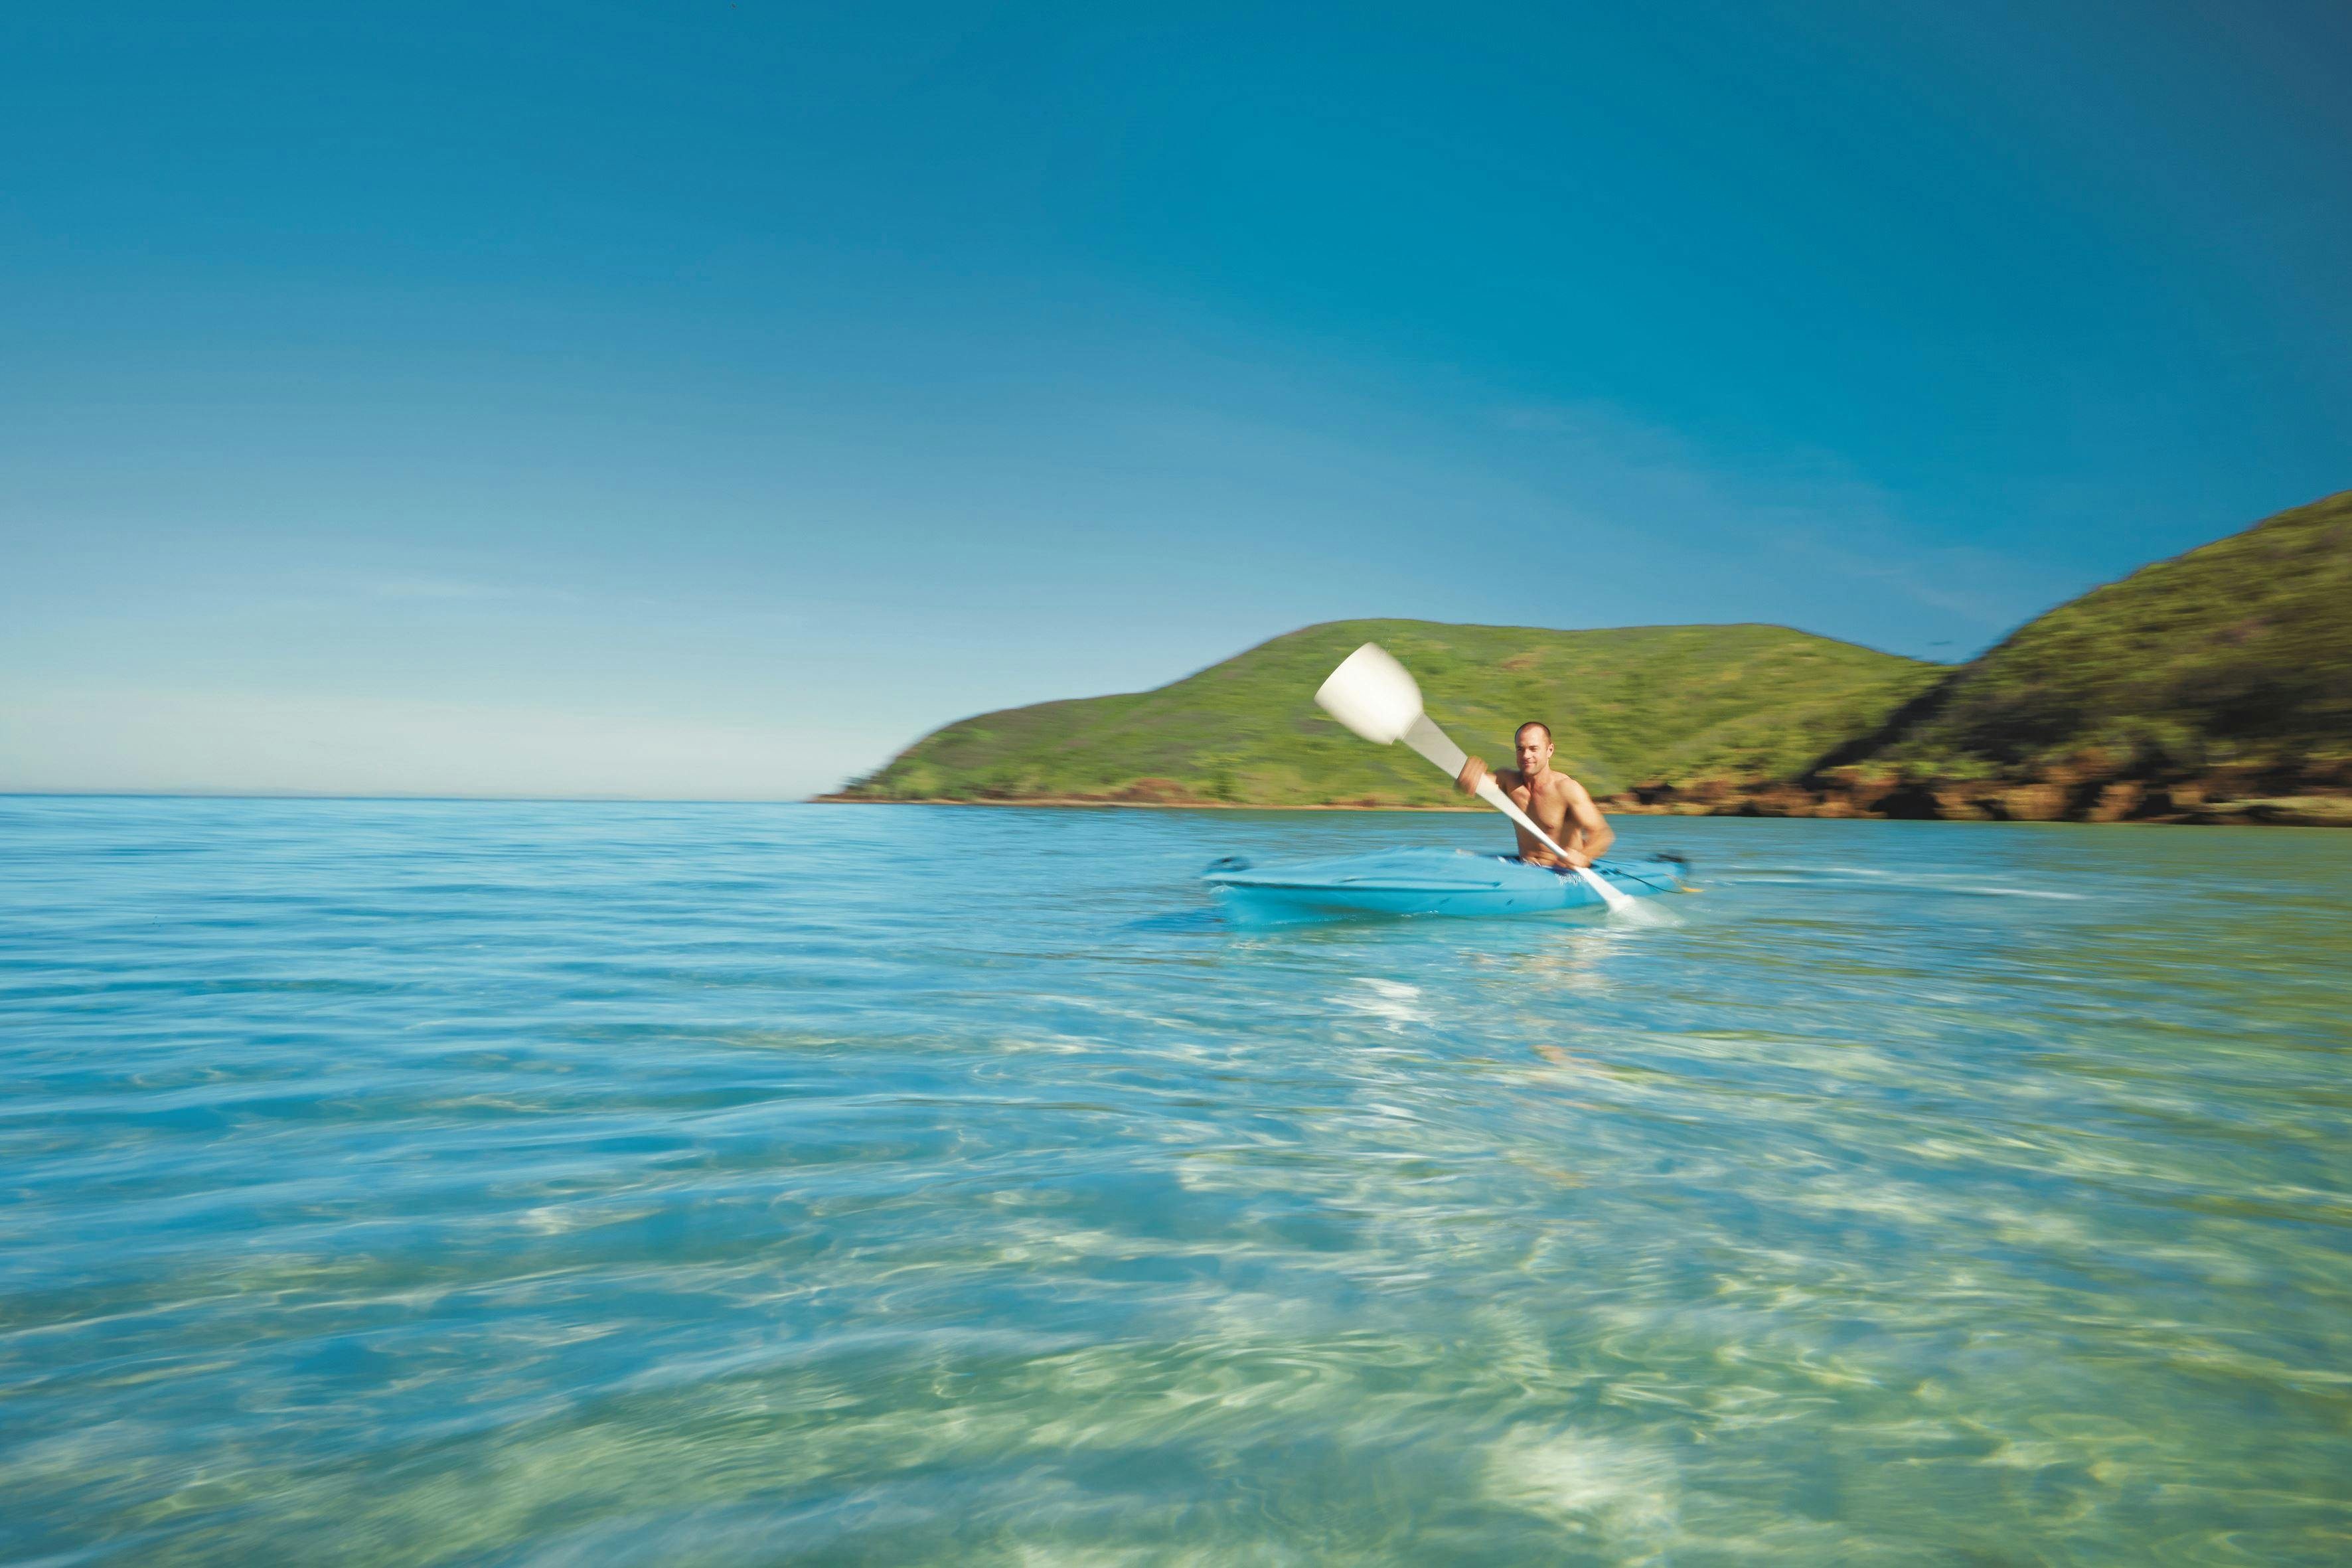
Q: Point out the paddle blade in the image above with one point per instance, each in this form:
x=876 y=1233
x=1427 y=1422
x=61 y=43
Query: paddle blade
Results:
x=1371 y=694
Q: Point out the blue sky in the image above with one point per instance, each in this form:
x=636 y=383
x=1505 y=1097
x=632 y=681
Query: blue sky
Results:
x=704 y=399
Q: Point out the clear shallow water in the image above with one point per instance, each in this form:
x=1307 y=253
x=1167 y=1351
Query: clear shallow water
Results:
x=575 y=1184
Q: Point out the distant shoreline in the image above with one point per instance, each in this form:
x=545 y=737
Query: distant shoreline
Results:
x=2293 y=811
x=2300 y=811
x=1080 y=800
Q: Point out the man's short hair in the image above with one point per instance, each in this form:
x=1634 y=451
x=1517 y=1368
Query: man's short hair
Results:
x=1532 y=724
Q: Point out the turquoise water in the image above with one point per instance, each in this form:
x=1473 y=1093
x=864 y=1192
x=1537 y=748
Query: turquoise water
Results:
x=404 y=1183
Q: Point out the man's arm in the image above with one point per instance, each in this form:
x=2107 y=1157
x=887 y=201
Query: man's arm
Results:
x=1474 y=770
x=1598 y=836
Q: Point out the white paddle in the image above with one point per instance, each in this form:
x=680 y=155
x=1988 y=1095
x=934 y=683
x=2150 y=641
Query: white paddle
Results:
x=1373 y=695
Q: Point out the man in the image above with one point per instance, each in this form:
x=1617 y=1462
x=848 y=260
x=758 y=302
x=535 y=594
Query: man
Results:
x=1558 y=803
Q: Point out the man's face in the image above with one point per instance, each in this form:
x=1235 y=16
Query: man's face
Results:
x=1535 y=749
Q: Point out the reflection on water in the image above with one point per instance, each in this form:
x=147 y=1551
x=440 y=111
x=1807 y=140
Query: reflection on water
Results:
x=414 y=1183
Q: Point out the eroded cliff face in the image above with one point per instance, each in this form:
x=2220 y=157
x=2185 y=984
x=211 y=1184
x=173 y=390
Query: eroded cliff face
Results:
x=2090 y=787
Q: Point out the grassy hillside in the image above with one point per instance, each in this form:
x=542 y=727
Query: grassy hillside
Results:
x=2236 y=656
x=1628 y=704
x=2216 y=686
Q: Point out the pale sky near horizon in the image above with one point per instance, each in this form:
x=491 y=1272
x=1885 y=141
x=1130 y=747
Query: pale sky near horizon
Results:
x=705 y=400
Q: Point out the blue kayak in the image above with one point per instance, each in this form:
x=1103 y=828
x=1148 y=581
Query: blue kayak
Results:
x=1425 y=882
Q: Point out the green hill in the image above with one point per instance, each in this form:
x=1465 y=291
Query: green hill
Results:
x=1627 y=704
x=2215 y=685
x=2225 y=671
x=2235 y=654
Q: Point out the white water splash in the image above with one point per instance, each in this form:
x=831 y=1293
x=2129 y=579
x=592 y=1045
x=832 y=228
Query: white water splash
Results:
x=1392 y=1000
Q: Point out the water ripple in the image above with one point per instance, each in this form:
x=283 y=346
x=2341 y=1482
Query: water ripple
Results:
x=406 y=1182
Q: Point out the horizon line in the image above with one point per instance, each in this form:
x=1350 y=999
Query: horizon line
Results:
x=396 y=796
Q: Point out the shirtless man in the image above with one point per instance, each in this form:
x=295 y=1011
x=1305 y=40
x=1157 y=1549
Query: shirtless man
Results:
x=1558 y=803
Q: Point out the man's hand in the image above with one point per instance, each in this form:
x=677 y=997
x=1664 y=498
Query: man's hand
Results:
x=1473 y=774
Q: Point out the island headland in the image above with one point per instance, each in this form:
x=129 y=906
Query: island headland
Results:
x=2215 y=685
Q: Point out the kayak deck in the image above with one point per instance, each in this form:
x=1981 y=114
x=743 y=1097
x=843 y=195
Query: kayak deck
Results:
x=1424 y=882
